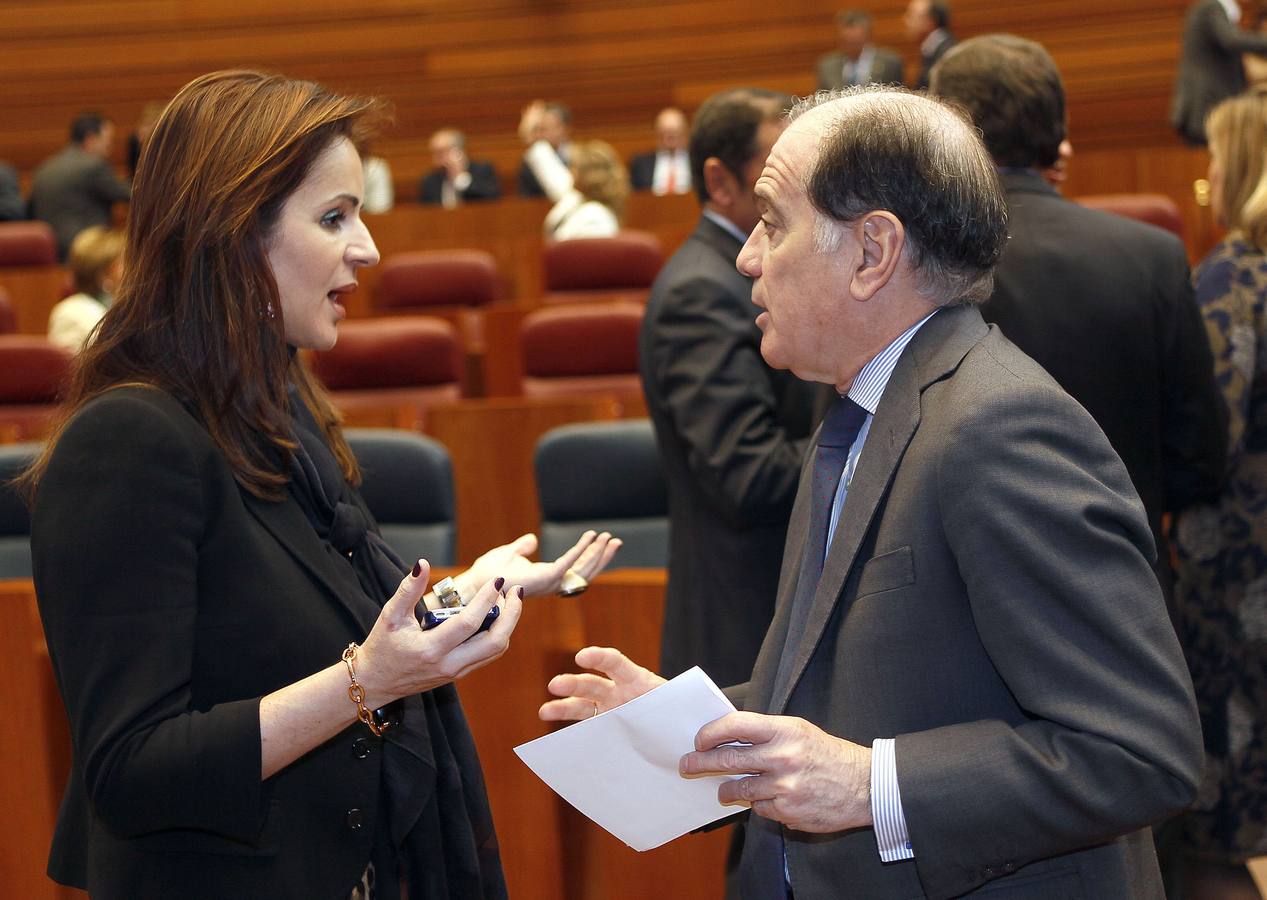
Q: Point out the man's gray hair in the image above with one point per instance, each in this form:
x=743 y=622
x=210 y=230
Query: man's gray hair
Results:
x=886 y=148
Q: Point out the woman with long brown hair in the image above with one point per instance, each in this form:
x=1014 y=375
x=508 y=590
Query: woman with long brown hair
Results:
x=248 y=716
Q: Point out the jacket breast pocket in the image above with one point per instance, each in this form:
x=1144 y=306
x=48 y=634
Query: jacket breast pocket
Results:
x=887 y=572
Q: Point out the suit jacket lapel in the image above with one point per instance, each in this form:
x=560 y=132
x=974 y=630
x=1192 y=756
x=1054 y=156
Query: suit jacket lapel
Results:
x=933 y=353
x=288 y=524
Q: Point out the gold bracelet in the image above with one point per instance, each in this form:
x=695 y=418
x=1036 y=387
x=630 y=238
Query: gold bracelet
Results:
x=357 y=694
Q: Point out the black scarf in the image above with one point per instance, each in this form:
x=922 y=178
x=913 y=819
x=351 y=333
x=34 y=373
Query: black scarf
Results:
x=439 y=829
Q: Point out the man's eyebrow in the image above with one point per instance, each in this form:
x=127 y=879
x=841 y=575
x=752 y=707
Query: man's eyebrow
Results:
x=765 y=199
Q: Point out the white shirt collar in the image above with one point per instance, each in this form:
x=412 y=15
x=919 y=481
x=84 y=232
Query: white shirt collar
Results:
x=934 y=40
x=725 y=224
x=868 y=387
x=1233 y=10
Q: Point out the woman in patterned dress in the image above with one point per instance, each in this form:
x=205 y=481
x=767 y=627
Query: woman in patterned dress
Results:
x=1222 y=590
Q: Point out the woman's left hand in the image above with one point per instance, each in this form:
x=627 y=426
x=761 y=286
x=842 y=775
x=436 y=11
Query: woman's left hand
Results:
x=587 y=557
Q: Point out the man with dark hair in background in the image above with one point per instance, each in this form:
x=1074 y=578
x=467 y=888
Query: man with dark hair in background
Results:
x=732 y=431
x=77 y=188
x=1102 y=302
x=927 y=22
x=555 y=128
x=857 y=61
x=456 y=178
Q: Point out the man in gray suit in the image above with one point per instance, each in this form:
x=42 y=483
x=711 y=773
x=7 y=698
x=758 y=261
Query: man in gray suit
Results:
x=858 y=61
x=77 y=188
x=970 y=680
x=1210 y=69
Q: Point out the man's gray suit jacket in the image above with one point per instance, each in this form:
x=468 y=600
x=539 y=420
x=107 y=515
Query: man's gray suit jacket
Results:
x=886 y=68
x=988 y=601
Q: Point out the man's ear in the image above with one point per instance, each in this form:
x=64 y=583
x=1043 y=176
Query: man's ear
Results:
x=882 y=237
x=720 y=182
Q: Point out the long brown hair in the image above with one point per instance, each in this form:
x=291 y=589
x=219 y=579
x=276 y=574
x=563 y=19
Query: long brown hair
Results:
x=198 y=313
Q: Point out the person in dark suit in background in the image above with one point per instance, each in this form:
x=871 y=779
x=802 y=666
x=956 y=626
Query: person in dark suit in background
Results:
x=1211 y=68
x=857 y=61
x=254 y=706
x=970 y=685
x=12 y=206
x=77 y=188
x=731 y=430
x=555 y=128
x=456 y=178
x=927 y=22
x=1102 y=302
x=666 y=169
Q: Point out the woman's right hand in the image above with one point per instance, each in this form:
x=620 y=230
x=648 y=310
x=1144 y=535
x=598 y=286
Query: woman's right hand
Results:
x=400 y=658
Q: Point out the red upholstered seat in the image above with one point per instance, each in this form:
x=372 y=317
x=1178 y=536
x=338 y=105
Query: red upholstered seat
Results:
x=399 y=365
x=581 y=349
x=620 y=267
x=1155 y=209
x=32 y=375
x=437 y=278
x=8 y=319
x=27 y=244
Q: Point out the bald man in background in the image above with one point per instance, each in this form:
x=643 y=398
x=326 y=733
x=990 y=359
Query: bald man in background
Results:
x=667 y=169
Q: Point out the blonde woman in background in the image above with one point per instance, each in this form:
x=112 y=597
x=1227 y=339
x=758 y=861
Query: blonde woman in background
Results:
x=589 y=192
x=1222 y=575
x=96 y=264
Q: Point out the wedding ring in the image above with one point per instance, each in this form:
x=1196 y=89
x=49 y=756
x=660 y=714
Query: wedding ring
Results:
x=572 y=584
x=595 y=712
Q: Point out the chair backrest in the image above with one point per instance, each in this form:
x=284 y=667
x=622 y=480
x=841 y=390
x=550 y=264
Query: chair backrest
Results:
x=607 y=476
x=8 y=318
x=408 y=486
x=581 y=349
x=1155 y=209
x=437 y=278
x=630 y=260
x=15 y=521
x=32 y=371
x=27 y=244
x=403 y=351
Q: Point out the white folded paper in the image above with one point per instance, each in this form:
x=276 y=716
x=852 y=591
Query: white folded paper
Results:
x=620 y=768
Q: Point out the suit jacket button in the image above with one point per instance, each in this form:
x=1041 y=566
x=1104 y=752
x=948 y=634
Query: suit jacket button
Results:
x=1008 y=867
x=355 y=819
x=988 y=872
x=361 y=748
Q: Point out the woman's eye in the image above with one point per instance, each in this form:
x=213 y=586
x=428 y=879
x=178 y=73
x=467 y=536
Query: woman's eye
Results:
x=333 y=218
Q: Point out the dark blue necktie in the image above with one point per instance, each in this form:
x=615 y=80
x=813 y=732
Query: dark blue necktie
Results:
x=840 y=429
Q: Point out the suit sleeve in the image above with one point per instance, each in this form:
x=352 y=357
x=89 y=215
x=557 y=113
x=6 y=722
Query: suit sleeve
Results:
x=483 y=184
x=115 y=535
x=1231 y=38
x=708 y=366
x=108 y=186
x=1050 y=542
x=1193 y=414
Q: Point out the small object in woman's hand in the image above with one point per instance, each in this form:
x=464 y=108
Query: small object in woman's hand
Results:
x=572 y=584
x=451 y=603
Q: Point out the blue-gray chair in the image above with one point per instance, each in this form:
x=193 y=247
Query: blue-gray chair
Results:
x=15 y=521
x=607 y=476
x=408 y=486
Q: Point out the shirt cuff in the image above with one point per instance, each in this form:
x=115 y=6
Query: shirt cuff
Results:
x=462 y=181
x=891 y=836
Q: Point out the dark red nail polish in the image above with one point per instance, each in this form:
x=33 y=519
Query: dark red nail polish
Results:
x=497 y=585
x=521 y=593
x=417 y=569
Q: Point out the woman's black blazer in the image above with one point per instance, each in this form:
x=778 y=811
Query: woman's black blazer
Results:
x=173 y=601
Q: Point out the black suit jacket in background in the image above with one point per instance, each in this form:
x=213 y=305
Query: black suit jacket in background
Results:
x=483 y=186
x=732 y=432
x=1210 y=69
x=642 y=171
x=1105 y=304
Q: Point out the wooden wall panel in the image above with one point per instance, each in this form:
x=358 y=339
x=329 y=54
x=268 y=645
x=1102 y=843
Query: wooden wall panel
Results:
x=474 y=64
